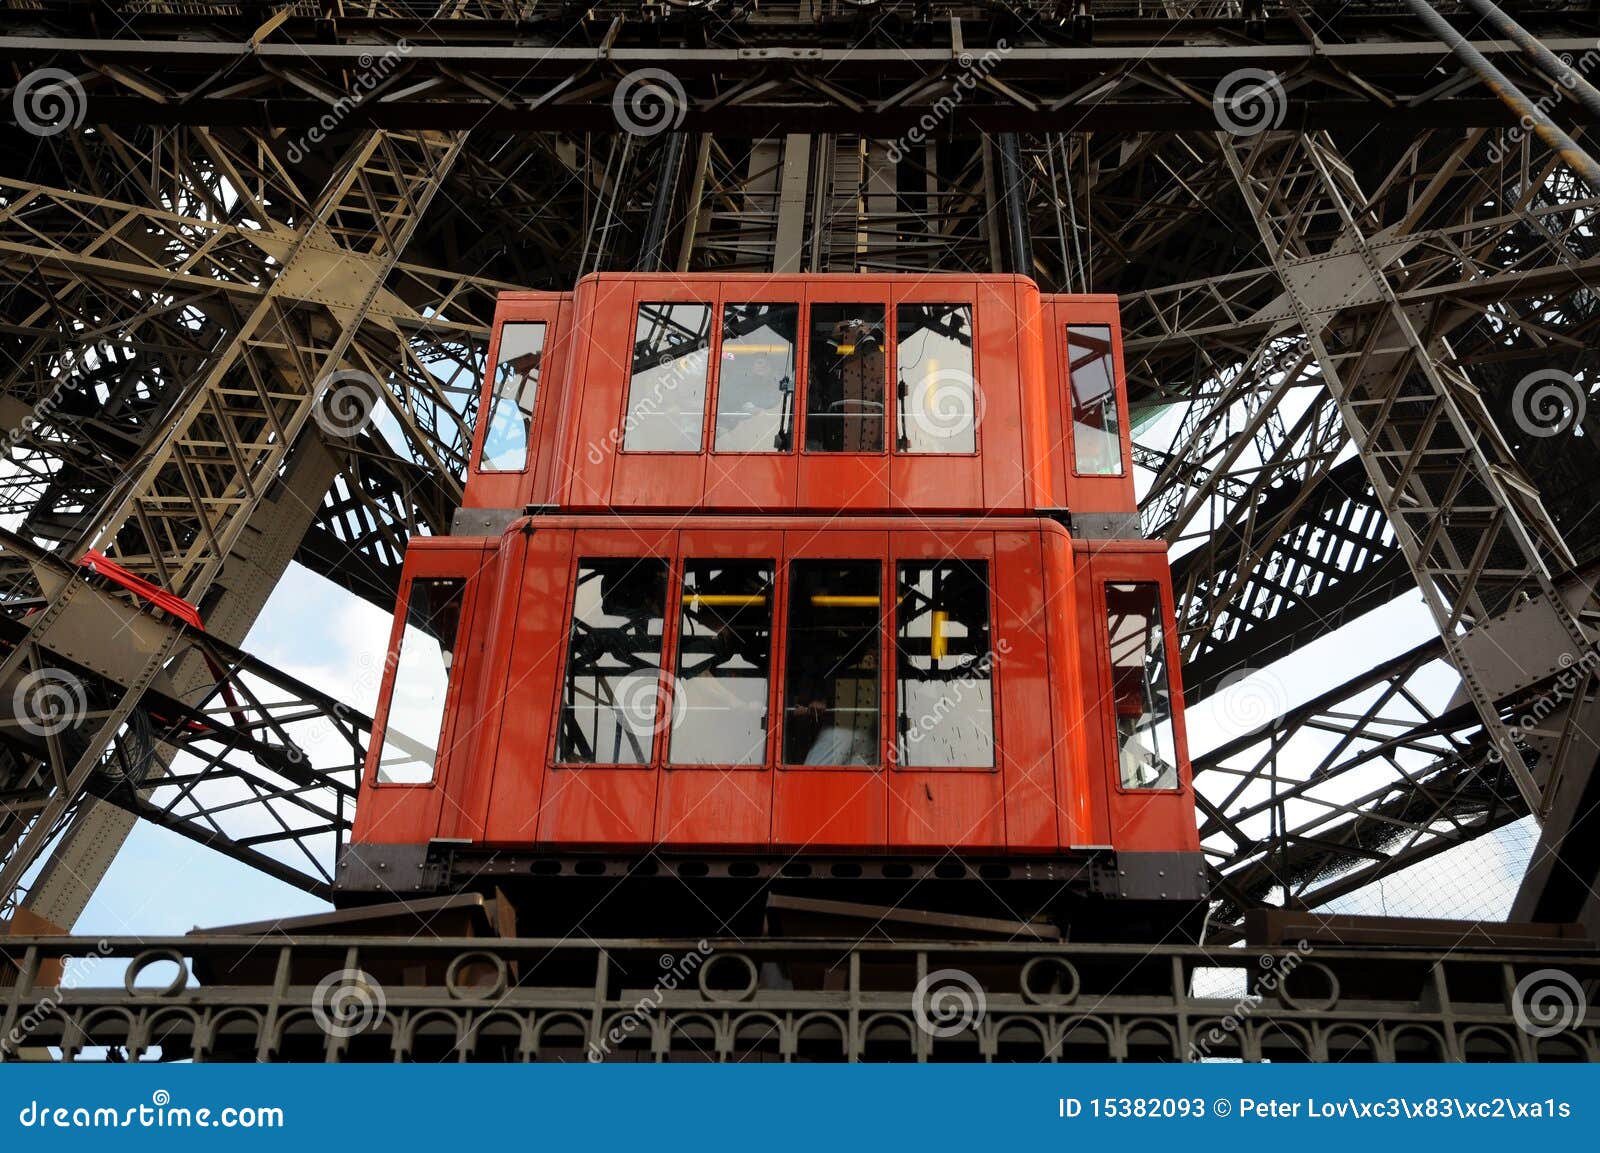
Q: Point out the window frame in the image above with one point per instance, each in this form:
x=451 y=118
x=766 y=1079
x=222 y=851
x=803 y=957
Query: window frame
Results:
x=427 y=564
x=708 y=404
x=1113 y=755
x=884 y=559
x=1119 y=399
x=805 y=297
x=988 y=561
x=978 y=402
x=714 y=385
x=642 y=550
x=672 y=653
x=803 y=395
x=771 y=547
x=489 y=394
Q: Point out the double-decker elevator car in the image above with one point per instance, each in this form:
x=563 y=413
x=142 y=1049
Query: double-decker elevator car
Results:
x=796 y=584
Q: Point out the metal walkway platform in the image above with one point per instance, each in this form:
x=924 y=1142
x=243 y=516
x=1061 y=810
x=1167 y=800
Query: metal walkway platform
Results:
x=373 y=998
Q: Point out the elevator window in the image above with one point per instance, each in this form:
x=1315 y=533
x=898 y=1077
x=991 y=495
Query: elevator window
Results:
x=944 y=674
x=611 y=704
x=1141 y=699
x=516 y=388
x=667 y=386
x=719 y=709
x=756 y=378
x=1096 y=429
x=846 y=379
x=938 y=407
x=422 y=668
x=835 y=630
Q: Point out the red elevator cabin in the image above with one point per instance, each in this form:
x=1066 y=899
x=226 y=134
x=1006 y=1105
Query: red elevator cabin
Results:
x=813 y=583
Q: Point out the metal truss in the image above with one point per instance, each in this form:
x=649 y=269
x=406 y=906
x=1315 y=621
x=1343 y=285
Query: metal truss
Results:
x=1470 y=523
x=747 y=70
x=431 y=999
x=253 y=760
x=1359 y=782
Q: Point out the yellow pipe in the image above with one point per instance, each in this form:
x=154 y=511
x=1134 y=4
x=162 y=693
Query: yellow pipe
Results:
x=726 y=600
x=821 y=600
x=937 y=647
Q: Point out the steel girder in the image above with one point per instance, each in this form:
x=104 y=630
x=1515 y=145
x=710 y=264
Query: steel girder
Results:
x=425 y=998
x=1469 y=521
x=752 y=71
x=176 y=513
x=244 y=757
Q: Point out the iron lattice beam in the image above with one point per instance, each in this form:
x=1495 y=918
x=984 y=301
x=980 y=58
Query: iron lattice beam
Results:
x=432 y=999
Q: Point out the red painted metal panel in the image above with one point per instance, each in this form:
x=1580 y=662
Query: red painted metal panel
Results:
x=1054 y=780
x=410 y=813
x=833 y=808
x=954 y=807
x=724 y=805
x=1153 y=819
x=532 y=627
